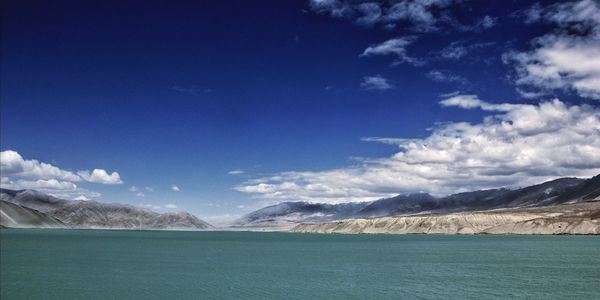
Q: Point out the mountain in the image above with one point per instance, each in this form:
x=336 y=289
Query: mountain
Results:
x=559 y=191
x=92 y=214
x=287 y=214
x=578 y=218
x=16 y=216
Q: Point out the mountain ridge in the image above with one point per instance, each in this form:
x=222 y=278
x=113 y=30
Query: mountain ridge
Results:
x=92 y=214
x=553 y=192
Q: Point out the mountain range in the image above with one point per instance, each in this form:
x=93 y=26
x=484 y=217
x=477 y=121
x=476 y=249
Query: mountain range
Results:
x=30 y=208
x=555 y=192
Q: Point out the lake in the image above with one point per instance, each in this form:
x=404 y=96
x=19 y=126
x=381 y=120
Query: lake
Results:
x=104 y=264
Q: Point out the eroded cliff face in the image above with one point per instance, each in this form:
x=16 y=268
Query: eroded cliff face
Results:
x=581 y=218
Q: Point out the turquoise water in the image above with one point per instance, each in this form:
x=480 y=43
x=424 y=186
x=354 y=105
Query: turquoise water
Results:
x=86 y=264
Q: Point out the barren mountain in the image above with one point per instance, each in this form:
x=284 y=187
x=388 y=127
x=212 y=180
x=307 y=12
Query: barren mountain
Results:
x=559 y=191
x=92 y=214
x=580 y=218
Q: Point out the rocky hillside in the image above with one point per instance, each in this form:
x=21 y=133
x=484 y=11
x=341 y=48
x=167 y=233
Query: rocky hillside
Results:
x=559 y=191
x=16 y=216
x=92 y=214
x=580 y=218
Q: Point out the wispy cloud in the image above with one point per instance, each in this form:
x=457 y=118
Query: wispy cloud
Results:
x=236 y=172
x=446 y=76
x=472 y=101
x=418 y=15
x=481 y=24
x=377 y=83
x=175 y=188
x=459 y=49
x=395 y=47
x=192 y=90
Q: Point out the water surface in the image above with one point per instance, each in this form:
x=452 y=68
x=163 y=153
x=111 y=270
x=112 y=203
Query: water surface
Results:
x=101 y=264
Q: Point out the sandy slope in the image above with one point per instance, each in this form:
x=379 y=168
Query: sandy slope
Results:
x=581 y=218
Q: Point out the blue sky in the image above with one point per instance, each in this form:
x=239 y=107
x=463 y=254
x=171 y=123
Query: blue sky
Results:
x=245 y=104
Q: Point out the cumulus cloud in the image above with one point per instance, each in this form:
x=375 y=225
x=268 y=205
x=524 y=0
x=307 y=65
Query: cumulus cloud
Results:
x=568 y=58
x=175 y=188
x=377 y=83
x=19 y=173
x=101 y=176
x=40 y=184
x=12 y=164
x=149 y=189
x=517 y=145
x=57 y=188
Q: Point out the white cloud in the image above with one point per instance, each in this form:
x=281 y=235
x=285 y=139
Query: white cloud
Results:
x=138 y=192
x=60 y=189
x=12 y=164
x=414 y=15
x=568 y=58
x=175 y=188
x=171 y=206
x=236 y=172
x=445 y=76
x=479 y=25
x=82 y=198
x=396 y=47
x=517 y=145
x=488 y=22
x=376 y=82
x=40 y=184
x=530 y=15
x=422 y=15
x=101 y=176
x=384 y=140
x=459 y=49
x=19 y=173
x=472 y=101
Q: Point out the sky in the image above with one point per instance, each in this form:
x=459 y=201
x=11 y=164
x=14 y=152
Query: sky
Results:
x=222 y=107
